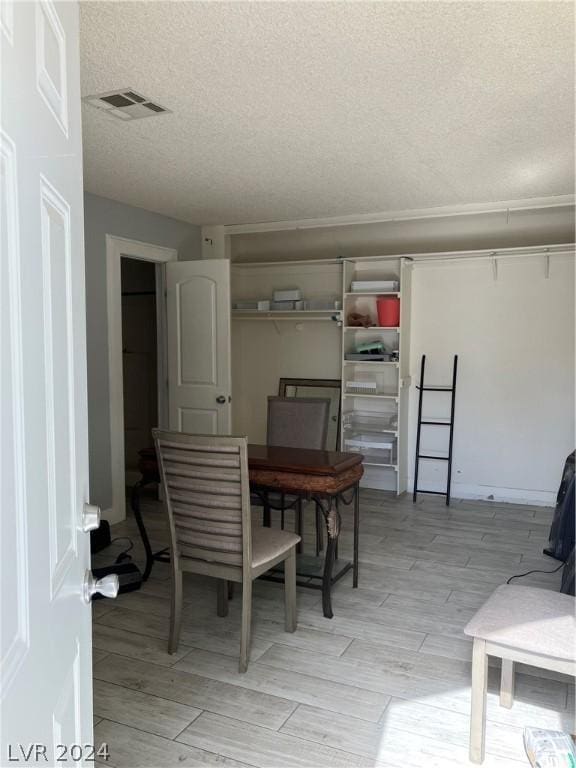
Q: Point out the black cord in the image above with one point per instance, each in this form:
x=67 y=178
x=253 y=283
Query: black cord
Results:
x=521 y=575
x=124 y=554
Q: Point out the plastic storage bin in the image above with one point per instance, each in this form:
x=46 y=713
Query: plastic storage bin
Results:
x=376 y=449
x=388 y=311
x=362 y=386
x=369 y=421
x=366 y=286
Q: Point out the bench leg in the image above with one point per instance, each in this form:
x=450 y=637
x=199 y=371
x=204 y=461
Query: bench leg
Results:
x=290 y=590
x=478 y=711
x=507 y=684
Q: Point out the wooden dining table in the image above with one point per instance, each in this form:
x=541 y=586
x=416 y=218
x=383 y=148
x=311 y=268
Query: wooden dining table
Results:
x=327 y=478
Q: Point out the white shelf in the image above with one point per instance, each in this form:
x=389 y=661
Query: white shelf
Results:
x=349 y=431
x=371 y=293
x=279 y=314
x=371 y=362
x=383 y=471
x=381 y=396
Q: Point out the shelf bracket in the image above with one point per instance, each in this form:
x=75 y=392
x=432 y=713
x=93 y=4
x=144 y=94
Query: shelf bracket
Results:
x=494 y=261
x=547 y=265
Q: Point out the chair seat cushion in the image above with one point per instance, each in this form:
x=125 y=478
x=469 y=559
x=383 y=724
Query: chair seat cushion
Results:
x=269 y=543
x=528 y=619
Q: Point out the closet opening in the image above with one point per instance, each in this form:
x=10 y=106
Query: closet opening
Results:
x=139 y=361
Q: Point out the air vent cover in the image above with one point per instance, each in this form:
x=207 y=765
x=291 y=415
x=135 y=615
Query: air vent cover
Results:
x=125 y=104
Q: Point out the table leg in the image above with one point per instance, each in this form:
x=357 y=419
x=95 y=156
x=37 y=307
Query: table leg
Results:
x=332 y=518
x=319 y=535
x=222 y=600
x=266 y=519
x=299 y=523
x=356 y=534
x=135 y=504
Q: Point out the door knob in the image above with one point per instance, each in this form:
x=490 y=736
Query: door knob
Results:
x=90 y=518
x=107 y=586
x=220 y=399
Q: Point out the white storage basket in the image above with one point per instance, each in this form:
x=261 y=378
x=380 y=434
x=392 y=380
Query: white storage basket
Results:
x=377 y=449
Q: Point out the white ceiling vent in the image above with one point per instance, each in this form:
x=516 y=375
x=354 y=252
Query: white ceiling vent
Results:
x=125 y=104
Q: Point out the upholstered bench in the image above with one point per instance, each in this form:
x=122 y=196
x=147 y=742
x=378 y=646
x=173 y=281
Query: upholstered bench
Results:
x=518 y=624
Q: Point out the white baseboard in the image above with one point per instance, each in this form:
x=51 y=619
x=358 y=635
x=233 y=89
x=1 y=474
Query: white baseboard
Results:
x=492 y=493
x=111 y=516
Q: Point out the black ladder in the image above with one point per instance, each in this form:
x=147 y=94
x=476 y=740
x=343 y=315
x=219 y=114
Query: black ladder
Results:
x=435 y=423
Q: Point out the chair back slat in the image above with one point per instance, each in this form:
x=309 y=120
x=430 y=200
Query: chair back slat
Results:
x=199 y=447
x=217 y=514
x=206 y=487
x=201 y=472
x=205 y=479
x=204 y=461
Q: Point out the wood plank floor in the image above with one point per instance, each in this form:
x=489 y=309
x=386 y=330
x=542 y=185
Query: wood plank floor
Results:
x=384 y=683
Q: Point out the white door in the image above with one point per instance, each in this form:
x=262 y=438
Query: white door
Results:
x=199 y=378
x=46 y=689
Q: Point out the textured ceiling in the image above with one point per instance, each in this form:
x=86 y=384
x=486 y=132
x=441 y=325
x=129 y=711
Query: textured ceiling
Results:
x=293 y=110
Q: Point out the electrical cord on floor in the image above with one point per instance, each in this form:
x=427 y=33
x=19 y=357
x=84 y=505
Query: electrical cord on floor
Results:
x=124 y=554
x=521 y=575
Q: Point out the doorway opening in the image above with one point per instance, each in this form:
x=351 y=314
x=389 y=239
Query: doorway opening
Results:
x=139 y=361
x=137 y=343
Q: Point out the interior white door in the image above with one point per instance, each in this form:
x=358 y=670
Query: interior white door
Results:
x=199 y=375
x=45 y=659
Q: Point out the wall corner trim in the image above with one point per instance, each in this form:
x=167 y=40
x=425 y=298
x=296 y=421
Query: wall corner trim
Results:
x=116 y=247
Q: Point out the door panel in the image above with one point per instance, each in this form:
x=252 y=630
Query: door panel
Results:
x=15 y=623
x=197 y=421
x=196 y=299
x=46 y=687
x=199 y=379
x=57 y=317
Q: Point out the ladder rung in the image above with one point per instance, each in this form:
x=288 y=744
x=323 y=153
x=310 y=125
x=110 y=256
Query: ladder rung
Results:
x=431 y=388
x=435 y=493
x=438 y=423
x=434 y=458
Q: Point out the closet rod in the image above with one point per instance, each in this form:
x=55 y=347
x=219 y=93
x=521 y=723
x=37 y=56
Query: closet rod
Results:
x=495 y=255
x=287 y=263
x=540 y=250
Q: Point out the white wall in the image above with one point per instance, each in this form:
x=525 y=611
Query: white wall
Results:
x=264 y=351
x=262 y=356
x=515 y=397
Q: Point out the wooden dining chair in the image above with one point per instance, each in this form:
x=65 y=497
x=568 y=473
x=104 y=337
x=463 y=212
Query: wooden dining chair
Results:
x=296 y=422
x=207 y=497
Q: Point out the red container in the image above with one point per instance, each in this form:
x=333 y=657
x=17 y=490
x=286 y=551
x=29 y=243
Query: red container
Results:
x=388 y=311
